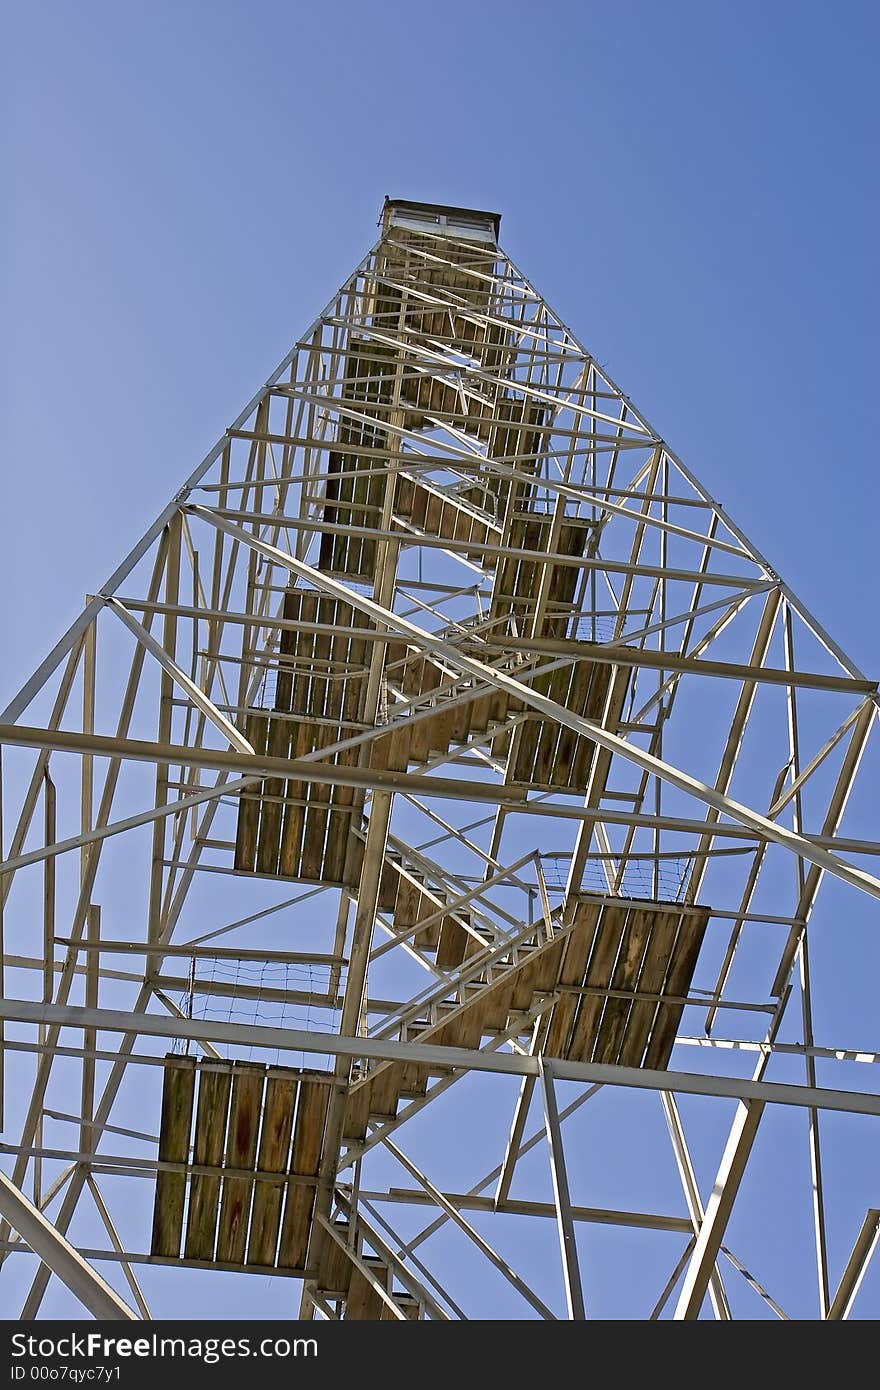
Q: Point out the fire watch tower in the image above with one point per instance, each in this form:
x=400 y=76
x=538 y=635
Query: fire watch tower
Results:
x=412 y=857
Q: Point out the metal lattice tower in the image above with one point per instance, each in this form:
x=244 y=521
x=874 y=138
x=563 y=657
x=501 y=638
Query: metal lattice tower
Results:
x=444 y=635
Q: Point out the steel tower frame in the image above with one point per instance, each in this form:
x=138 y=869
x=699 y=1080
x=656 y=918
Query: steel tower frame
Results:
x=444 y=632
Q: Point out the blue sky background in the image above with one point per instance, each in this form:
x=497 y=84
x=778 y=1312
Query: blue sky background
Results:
x=692 y=186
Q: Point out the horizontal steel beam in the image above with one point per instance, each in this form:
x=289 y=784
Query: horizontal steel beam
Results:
x=141 y=948
x=618 y=654
x=130 y=1257
x=513 y=1206
x=480 y=548
x=257 y=766
x=434 y=1056
x=512 y=798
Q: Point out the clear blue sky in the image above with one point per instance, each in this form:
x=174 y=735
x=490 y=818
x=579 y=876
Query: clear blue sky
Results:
x=691 y=185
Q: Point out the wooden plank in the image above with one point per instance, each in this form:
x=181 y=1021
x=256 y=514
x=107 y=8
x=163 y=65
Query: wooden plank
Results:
x=337 y=615
x=407 y=1305
x=274 y=1157
x=592 y=763
x=584 y=761
x=335 y=1269
x=355 y=685
x=385 y=1094
x=338 y=831
x=294 y=812
x=256 y=730
x=343 y=851
x=318 y=800
x=467 y=1027
x=304 y=647
x=322 y=704
x=650 y=981
x=621 y=681
x=525 y=976
x=313 y=835
x=441 y=726
x=678 y=981
x=420 y=740
x=301 y=742
x=210 y=1138
x=389 y=881
x=434 y=514
x=568 y=739
x=530 y=734
x=357 y=1111
x=479 y=711
x=335 y=487
x=406 y=903
x=574 y=965
x=452 y=946
x=398 y=746
x=563 y=583
x=311 y=1112
x=177 y=1106
x=498 y=1008
x=269 y=839
x=626 y=973
x=406 y=487
x=602 y=959
x=415 y=1080
x=462 y=722
x=363 y=1302
x=547 y=965
x=429 y=938
x=499 y=706
x=280 y=735
x=545 y=772
x=241 y=1151
x=430 y=677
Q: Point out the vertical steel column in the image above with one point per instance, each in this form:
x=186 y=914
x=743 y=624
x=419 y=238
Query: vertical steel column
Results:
x=574 y=1294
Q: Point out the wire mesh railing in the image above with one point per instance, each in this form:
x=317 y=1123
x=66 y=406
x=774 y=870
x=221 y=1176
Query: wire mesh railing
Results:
x=656 y=878
x=270 y=994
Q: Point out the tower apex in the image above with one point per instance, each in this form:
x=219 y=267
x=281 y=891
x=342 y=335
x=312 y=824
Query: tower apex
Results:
x=472 y=223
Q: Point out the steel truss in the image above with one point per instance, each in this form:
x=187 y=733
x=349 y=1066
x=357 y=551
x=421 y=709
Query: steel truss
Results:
x=442 y=632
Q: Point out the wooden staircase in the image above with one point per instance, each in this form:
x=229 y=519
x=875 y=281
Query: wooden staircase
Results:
x=617 y=976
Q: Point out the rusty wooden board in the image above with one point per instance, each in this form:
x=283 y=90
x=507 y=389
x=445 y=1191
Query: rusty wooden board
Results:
x=256 y=732
x=244 y=1123
x=602 y=959
x=241 y=1152
x=572 y=970
x=177 y=1106
x=269 y=842
x=678 y=979
x=208 y=1146
x=273 y=1157
x=311 y=1113
x=624 y=977
x=650 y=982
